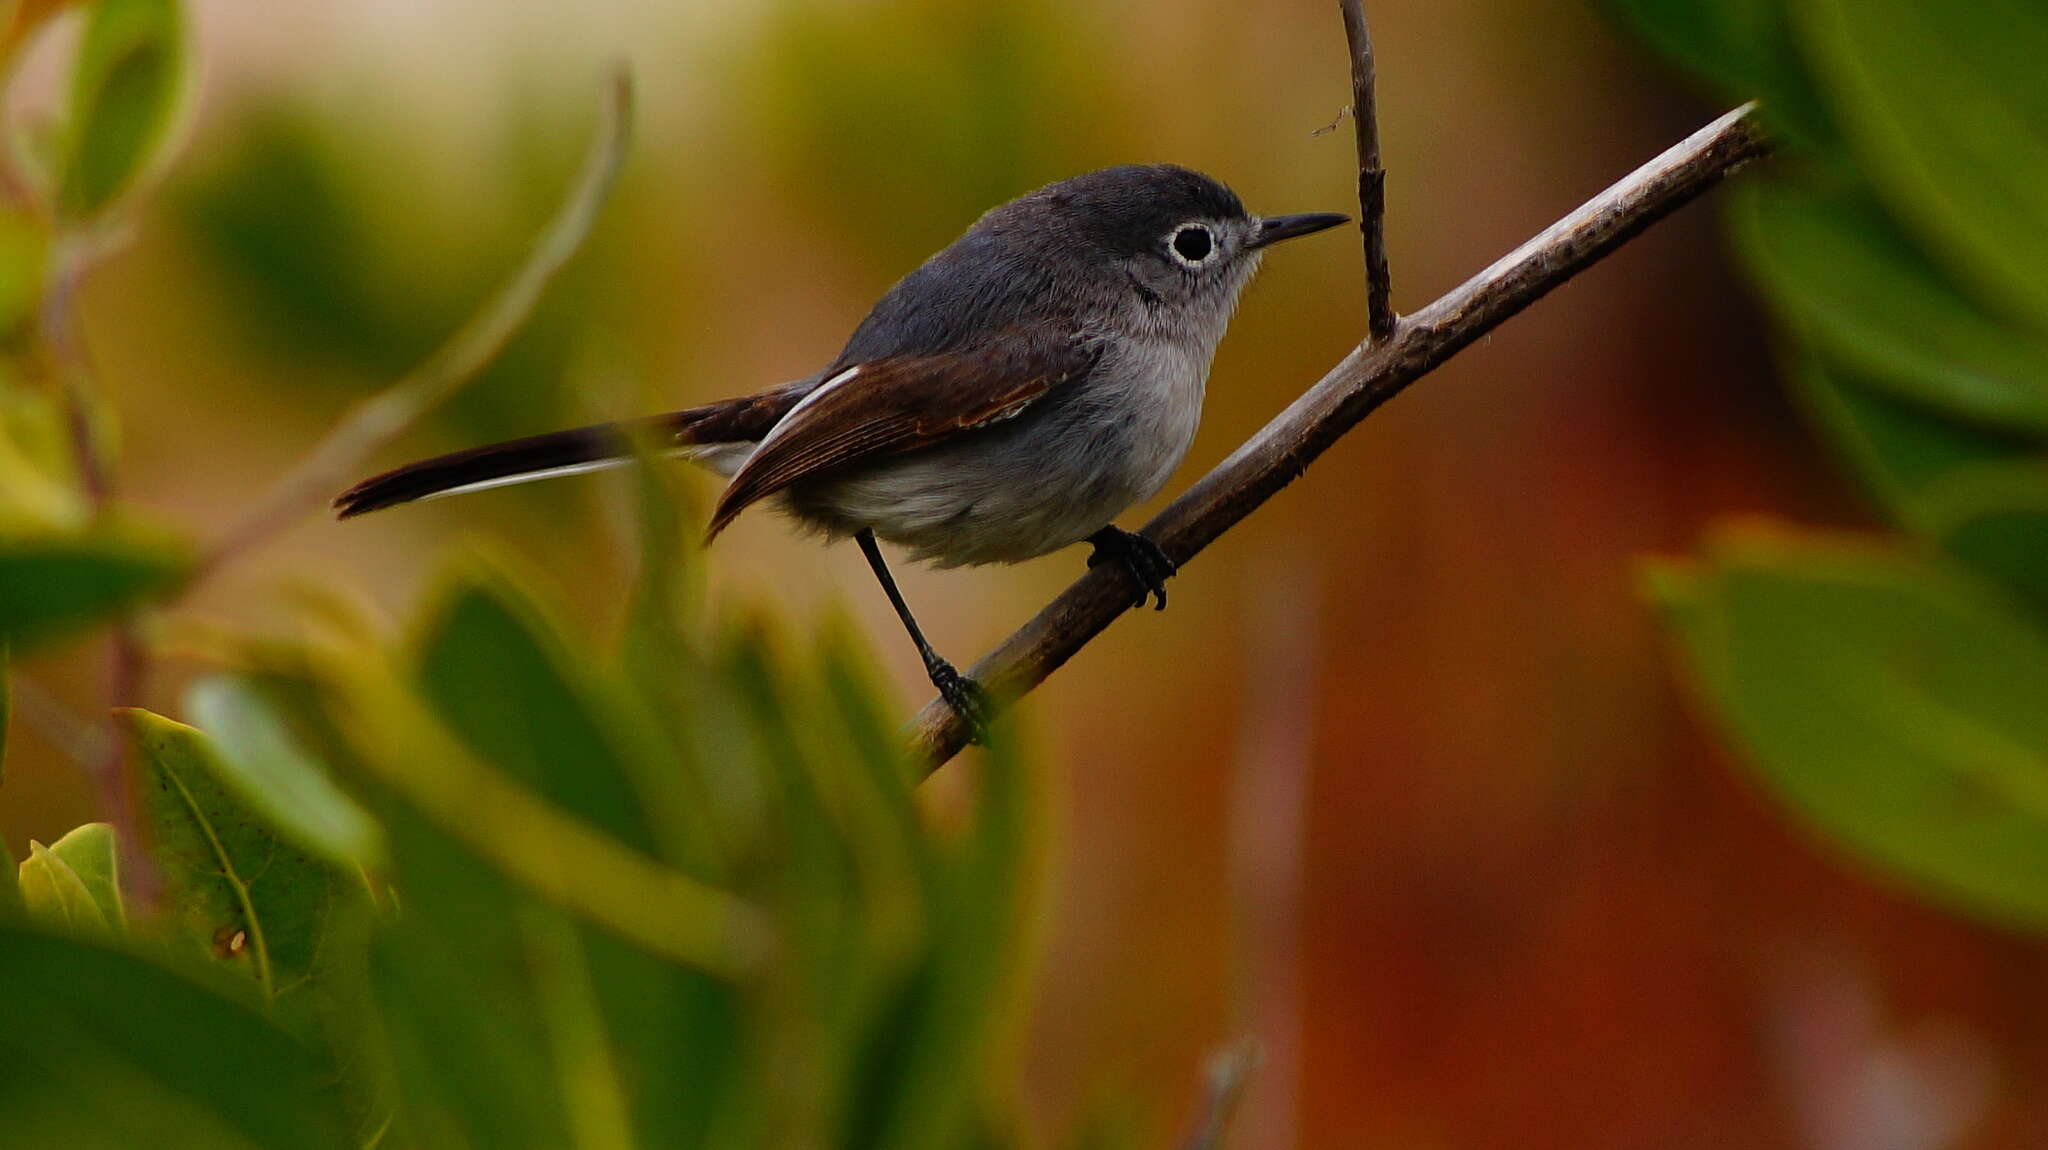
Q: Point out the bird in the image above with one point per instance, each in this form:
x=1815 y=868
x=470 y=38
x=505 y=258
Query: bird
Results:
x=1007 y=398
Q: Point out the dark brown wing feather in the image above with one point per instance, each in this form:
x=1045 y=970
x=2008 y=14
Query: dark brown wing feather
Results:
x=742 y=420
x=891 y=406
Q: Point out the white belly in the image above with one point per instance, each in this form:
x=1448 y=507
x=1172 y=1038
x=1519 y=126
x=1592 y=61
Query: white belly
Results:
x=1045 y=480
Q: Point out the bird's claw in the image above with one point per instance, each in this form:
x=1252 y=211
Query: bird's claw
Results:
x=1149 y=565
x=966 y=697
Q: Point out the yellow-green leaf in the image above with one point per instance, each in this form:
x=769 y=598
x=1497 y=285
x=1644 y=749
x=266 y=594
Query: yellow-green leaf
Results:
x=53 y=893
x=262 y=762
x=126 y=85
x=92 y=855
x=242 y=893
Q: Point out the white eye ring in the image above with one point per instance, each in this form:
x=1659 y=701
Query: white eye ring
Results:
x=1193 y=245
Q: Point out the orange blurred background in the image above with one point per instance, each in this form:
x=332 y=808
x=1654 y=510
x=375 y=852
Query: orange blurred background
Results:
x=1403 y=783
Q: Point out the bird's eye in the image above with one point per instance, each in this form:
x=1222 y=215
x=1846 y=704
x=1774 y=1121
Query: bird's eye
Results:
x=1193 y=244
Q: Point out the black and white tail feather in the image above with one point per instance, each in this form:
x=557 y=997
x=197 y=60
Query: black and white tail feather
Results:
x=718 y=435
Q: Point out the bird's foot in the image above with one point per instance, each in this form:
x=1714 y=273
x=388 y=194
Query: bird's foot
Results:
x=966 y=697
x=1149 y=566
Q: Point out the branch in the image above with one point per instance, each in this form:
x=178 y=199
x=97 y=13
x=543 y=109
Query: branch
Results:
x=128 y=657
x=1372 y=374
x=383 y=418
x=1372 y=178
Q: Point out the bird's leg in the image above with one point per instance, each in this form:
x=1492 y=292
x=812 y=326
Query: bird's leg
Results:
x=1149 y=566
x=961 y=693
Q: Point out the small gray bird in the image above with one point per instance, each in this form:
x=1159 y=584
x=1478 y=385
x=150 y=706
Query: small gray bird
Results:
x=1006 y=399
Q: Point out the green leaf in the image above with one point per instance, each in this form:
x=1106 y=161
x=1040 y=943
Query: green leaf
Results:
x=241 y=892
x=1846 y=279
x=24 y=250
x=1995 y=518
x=53 y=893
x=126 y=86
x=1898 y=448
x=1945 y=106
x=92 y=854
x=512 y=688
x=1892 y=703
x=506 y=684
x=263 y=764
x=1745 y=47
x=40 y=495
x=958 y=1027
x=105 y=1050
x=50 y=586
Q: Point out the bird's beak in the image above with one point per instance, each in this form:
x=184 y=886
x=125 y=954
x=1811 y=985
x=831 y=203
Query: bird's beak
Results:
x=1273 y=229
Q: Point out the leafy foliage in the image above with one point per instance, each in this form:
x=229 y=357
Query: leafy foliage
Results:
x=1892 y=696
x=493 y=883
x=53 y=585
x=126 y=86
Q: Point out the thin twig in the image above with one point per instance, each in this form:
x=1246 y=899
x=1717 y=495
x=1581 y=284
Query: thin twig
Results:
x=74 y=736
x=1372 y=374
x=1372 y=177
x=383 y=418
x=127 y=658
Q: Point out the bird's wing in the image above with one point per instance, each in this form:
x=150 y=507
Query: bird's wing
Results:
x=889 y=406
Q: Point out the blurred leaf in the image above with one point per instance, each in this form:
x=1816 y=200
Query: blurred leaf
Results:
x=457 y=996
x=50 y=586
x=951 y=1038
x=24 y=246
x=508 y=684
x=262 y=764
x=402 y=747
x=105 y=1050
x=1995 y=518
x=1745 y=47
x=1898 y=448
x=126 y=84
x=243 y=895
x=319 y=235
x=1892 y=703
x=39 y=490
x=92 y=855
x=281 y=216
x=1945 y=105
x=722 y=794
x=963 y=94
x=53 y=893
x=1849 y=281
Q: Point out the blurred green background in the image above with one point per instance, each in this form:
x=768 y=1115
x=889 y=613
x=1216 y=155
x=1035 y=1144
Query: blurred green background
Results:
x=1404 y=783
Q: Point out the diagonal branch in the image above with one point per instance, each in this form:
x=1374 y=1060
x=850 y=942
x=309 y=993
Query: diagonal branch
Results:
x=1372 y=178
x=1373 y=373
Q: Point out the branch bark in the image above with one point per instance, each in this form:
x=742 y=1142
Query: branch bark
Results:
x=1372 y=374
x=1372 y=177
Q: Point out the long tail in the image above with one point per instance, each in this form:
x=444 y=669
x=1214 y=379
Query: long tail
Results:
x=717 y=434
